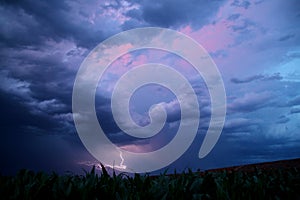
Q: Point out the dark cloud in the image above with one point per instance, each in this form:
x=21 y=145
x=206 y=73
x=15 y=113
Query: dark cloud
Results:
x=286 y=37
x=241 y=3
x=46 y=20
x=295 y=101
x=23 y=116
x=133 y=23
x=135 y=14
x=30 y=107
x=249 y=79
x=37 y=130
x=239 y=146
x=275 y=76
x=243 y=26
x=282 y=120
x=168 y=13
x=233 y=17
x=295 y=110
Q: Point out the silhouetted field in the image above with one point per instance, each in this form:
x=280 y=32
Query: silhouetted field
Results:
x=276 y=180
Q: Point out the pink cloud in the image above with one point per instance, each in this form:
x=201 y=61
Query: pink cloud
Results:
x=211 y=37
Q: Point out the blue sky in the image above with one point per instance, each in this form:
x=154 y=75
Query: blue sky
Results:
x=255 y=44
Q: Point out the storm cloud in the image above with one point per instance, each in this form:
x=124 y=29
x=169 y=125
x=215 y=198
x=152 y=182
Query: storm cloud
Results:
x=42 y=45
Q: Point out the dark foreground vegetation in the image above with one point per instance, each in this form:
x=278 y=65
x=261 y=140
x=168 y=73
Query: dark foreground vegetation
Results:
x=224 y=184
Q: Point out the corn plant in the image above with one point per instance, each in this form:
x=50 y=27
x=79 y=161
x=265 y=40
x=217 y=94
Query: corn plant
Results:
x=256 y=184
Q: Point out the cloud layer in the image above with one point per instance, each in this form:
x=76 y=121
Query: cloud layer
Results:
x=253 y=43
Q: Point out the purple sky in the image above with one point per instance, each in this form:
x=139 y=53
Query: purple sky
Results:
x=255 y=44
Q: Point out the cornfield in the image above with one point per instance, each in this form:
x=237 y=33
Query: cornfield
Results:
x=257 y=184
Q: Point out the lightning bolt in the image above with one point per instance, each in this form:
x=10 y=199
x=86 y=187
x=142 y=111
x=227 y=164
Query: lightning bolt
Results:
x=121 y=165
